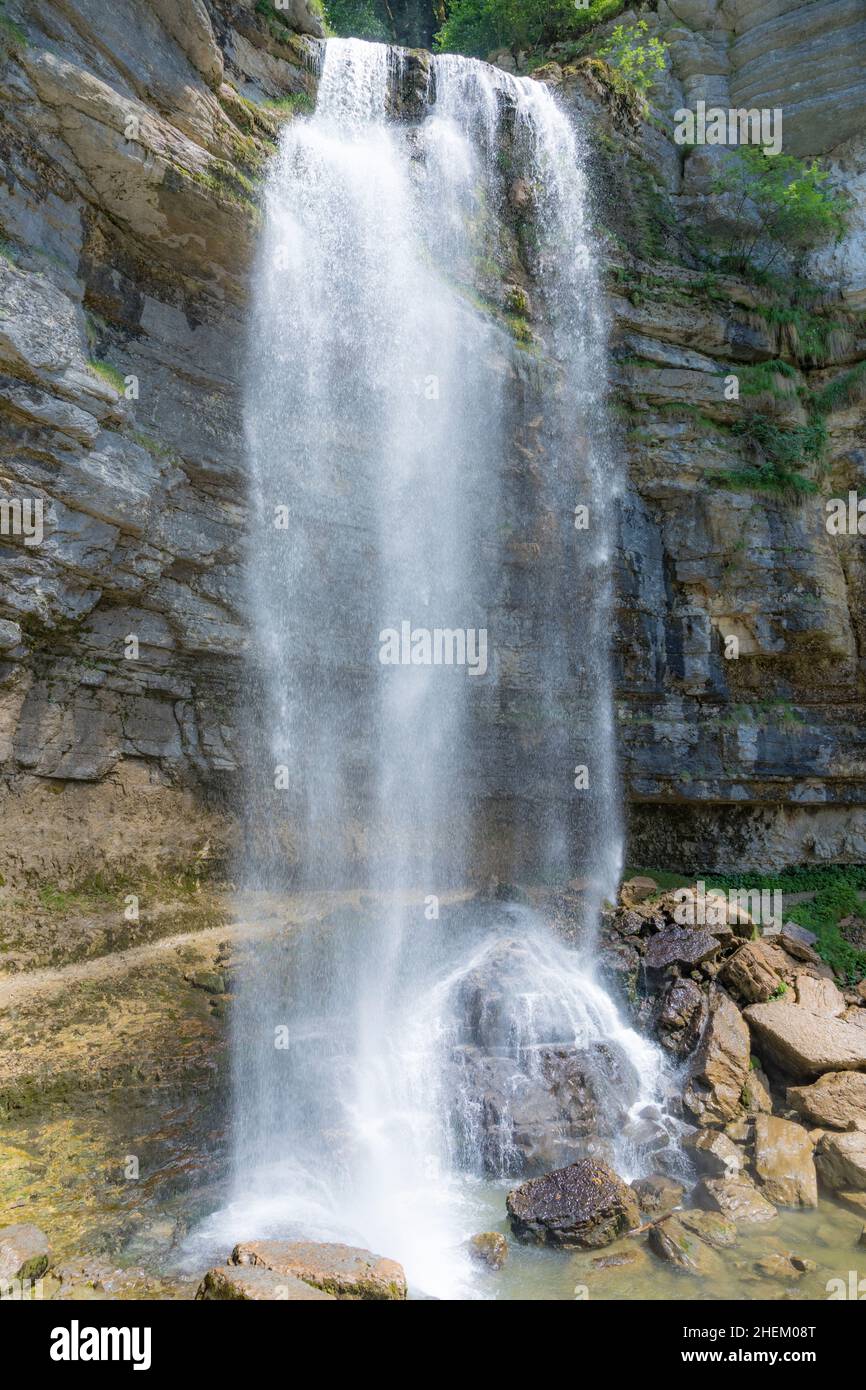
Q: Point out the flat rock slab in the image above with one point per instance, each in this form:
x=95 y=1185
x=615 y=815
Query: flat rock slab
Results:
x=24 y=1252
x=819 y=996
x=803 y=1043
x=585 y=1205
x=837 y=1100
x=248 y=1283
x=342 y=1271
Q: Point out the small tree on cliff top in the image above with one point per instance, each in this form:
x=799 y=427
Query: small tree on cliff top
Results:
x=639 y=59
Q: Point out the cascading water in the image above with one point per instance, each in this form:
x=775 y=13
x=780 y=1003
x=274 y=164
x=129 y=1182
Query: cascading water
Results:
x=414 y=473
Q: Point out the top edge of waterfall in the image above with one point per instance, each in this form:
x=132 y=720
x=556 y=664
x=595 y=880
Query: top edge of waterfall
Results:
x=393 y=59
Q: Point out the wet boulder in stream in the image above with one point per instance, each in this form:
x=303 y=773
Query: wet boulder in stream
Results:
x=585 y=1205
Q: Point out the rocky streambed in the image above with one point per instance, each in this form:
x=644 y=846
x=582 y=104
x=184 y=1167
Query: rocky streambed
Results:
x=752 y=1168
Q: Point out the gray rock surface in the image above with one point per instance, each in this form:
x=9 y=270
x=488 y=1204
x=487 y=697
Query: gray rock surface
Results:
x=128 y=212
x=24 y=1253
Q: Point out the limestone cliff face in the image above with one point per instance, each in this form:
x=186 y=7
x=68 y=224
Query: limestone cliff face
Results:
x=132 y=145
x=758 y=760
x=131 y=157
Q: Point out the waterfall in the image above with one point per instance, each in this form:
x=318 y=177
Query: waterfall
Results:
x=414 y=479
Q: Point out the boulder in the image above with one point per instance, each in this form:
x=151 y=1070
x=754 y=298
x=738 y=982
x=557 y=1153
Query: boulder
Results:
x=736 y=1198
x=678 y=1246
x=489 y=1248
x=711 y=1226
x=837 y=1100
x=343 y=1271
x=819 y=996
x=784 y=1165
x=585 y=1204
x=628 y=923
x=841 y=1160
x=238 y=1283
x=714 y=1090
x=854 y=1201
x=682 y=1017
x=749 y=974
x=680 y=946
x=799 y=942
x=805 y=1044
x=24 y=1252
x=657 y=1195
x=756 y=1093
x=536 y=1111
x=738 y=1131
x=714 y=1154
x=636 y=889
x=782 y=1266
x=531 y=1097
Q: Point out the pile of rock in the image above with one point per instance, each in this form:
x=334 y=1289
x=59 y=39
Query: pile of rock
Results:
x=774 y=1100
x=756 y=1013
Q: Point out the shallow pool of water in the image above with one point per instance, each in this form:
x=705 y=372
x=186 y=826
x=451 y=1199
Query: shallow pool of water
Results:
x=66 y=1175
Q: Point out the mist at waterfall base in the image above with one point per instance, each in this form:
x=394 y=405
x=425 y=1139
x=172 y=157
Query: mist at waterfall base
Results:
x=384 y=1058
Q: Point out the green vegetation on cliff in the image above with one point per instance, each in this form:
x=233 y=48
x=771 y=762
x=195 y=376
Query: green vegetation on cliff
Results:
x=359 y=19
x=479 y=26
x=779 y=452
x=635 y=56
x=791 y=204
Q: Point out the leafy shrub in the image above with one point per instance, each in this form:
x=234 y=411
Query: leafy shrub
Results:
x=358 y=19
x=635 y=56
x=478 y=26
x=795 y=209
x=780 y=453
x=788 y=447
